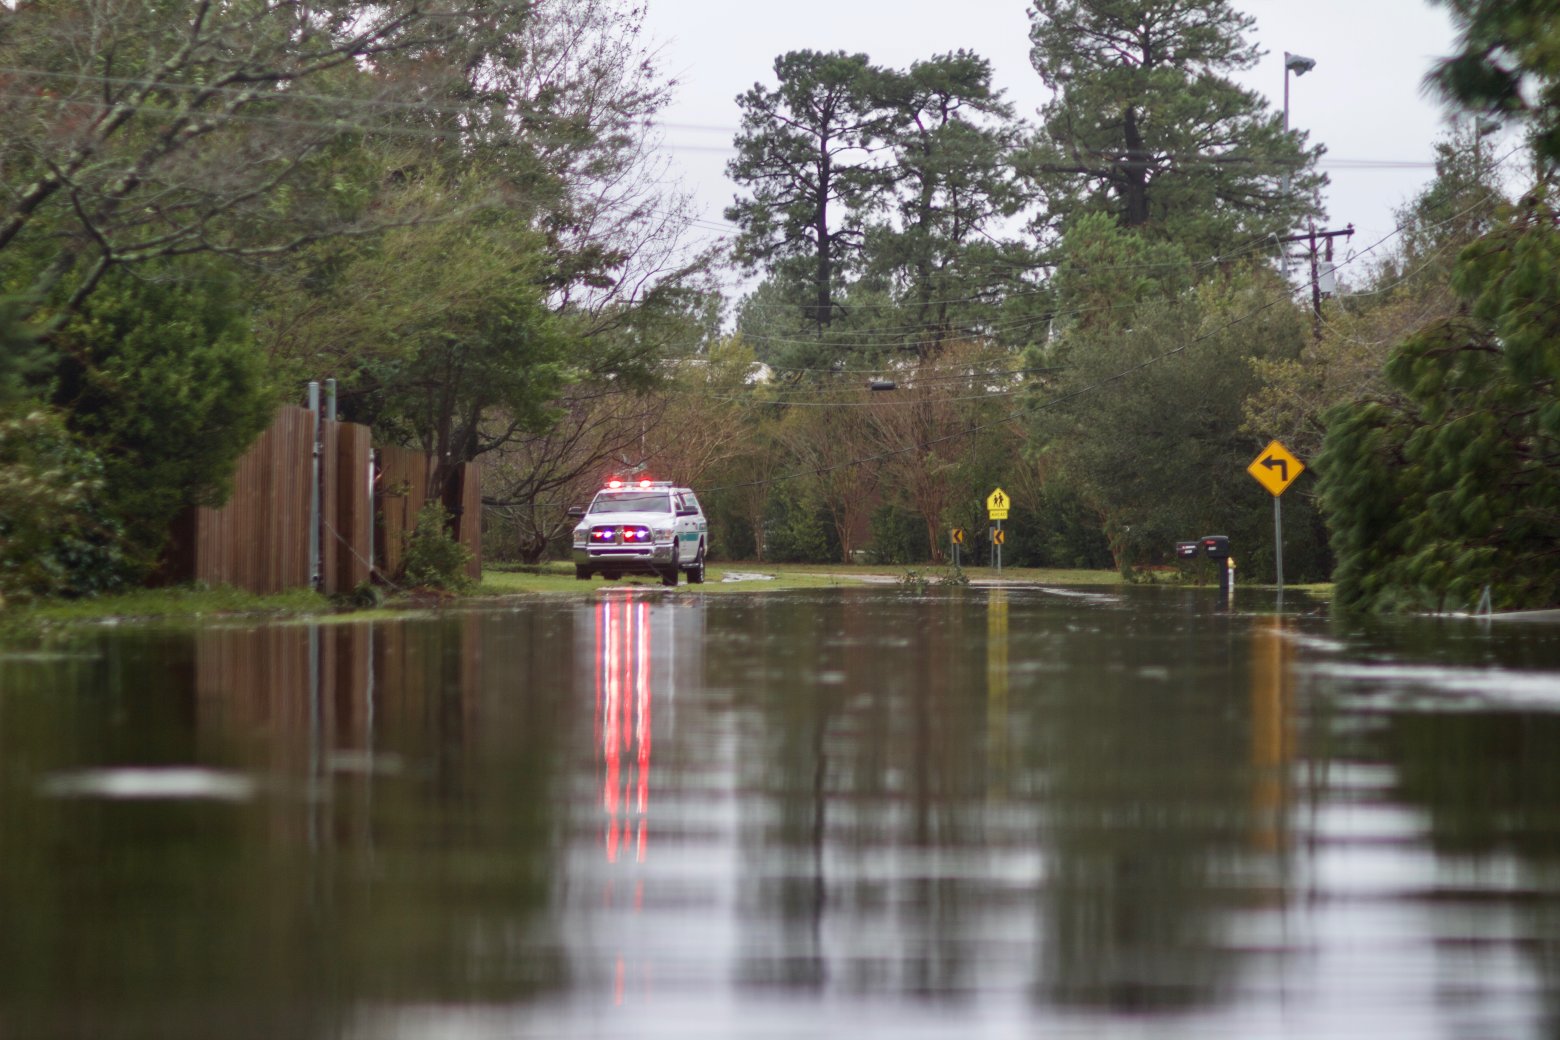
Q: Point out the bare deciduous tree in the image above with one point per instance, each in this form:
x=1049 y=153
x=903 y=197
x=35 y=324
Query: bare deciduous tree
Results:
x=132 y=131
x=529 y=483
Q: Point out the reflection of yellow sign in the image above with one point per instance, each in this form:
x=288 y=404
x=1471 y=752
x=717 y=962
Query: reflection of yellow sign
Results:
x=997 y=504
x=1272 y=738
x=997 y=741
x=998 y=536
x=958 y=536
x=1275 y=468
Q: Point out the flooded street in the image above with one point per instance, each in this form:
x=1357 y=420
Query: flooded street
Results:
x=858 y=812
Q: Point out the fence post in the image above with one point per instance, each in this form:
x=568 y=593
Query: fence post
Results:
x=314 y=486
x=373 y=508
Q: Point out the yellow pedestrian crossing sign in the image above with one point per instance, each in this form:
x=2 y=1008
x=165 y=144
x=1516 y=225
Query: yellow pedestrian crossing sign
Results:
x=997 y=504
x=1275 y=468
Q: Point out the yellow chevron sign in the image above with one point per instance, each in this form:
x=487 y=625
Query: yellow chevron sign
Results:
x=1275 y=468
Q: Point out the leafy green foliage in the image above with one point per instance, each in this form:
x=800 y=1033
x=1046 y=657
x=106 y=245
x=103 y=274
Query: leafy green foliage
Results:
x=532 y=257
x=491 y=347
x=55 y=539
x=1105 y=273
x=162 y=379
x=898 y=536
x=22 y=356
x=1057 y=529
x=434 y=560
x=1144 y=422
x=1405 y=291
x=797 y=528
x=1454 y=485
x=1508 y=63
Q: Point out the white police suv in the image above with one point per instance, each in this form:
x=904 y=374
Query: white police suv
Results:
x=641 y=527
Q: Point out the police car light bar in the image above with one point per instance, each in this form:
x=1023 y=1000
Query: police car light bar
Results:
x=618 y=483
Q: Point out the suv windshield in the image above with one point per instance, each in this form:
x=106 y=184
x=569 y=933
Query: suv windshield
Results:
x=632 y=502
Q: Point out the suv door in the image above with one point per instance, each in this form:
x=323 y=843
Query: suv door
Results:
x=686 y=547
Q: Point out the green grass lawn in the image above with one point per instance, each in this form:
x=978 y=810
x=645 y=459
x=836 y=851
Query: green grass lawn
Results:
x=195 y=606
x=559 y=577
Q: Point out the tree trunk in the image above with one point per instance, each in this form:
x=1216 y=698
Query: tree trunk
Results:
x=532 y=548
x=1134 y=170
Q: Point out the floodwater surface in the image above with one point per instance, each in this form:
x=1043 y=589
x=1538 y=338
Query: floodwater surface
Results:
x=850 y=813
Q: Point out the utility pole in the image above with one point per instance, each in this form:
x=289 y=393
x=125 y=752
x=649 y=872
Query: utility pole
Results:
x=1311 y=237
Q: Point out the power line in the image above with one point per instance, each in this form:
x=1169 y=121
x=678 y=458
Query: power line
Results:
x=468 y=109
x=1092 y=387
x=1074 y=313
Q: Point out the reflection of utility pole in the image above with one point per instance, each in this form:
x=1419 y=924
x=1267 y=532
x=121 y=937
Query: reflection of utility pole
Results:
x=1317 y=271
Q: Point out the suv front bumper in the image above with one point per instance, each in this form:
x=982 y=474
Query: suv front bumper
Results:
x=623 y=557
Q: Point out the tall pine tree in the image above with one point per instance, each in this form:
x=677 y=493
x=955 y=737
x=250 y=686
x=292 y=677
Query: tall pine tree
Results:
x=1146 y=124
x=804 y=157
x=944 y=247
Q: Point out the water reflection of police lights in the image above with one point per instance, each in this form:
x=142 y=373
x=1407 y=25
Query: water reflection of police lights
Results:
x=623 y=666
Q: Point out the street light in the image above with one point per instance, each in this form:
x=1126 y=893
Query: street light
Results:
x=1299 y=65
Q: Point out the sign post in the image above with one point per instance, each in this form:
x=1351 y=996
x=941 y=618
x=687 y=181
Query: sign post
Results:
x=997 y=509
x=1275 y=469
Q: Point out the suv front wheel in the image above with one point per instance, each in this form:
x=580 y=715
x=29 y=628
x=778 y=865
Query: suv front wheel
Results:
x=696 y=569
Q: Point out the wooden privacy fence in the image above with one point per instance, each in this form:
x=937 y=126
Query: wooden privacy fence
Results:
x=259 y=540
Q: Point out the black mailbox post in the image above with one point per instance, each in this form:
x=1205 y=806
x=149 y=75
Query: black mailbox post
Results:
x=1217 y=548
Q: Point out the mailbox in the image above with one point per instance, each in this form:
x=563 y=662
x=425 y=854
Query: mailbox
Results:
x=1216 y=546
x=1186 y=550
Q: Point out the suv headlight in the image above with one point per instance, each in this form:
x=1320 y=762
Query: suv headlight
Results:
x=664 y=534
x=581 y=535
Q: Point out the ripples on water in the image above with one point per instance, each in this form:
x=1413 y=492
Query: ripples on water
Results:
x=845 y=813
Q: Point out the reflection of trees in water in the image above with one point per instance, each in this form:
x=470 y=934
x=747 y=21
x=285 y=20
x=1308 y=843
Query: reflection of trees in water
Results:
x=1141 y=744
x=867 y=755
x=1488 y=785
x=403 y=848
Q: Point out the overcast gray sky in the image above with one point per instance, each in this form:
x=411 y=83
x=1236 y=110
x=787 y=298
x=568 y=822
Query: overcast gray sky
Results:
x=1363 y=100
